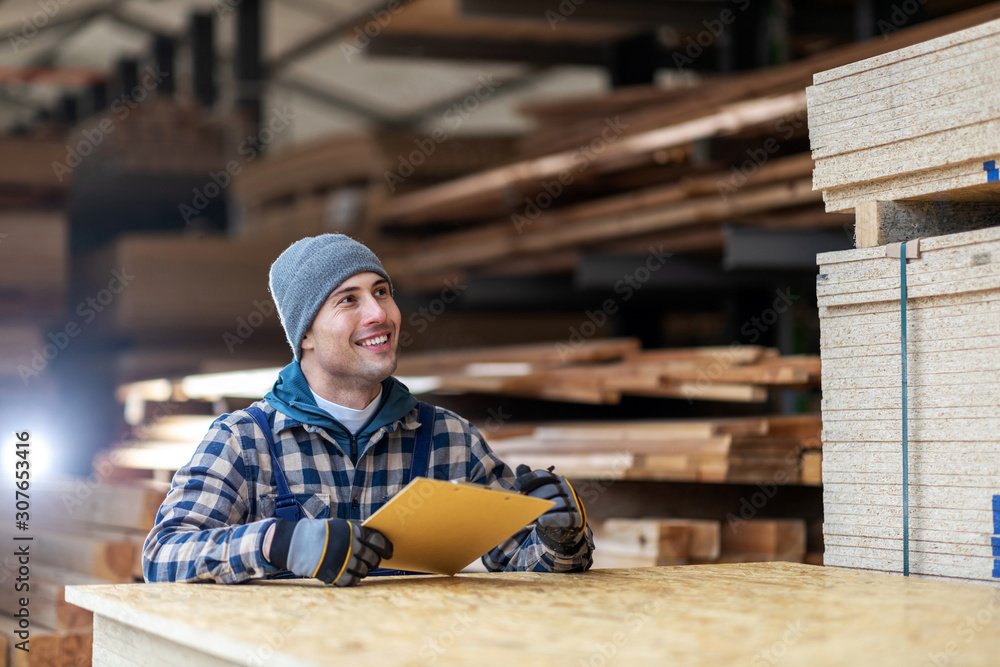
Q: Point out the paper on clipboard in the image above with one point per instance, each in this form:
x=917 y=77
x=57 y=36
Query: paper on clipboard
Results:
x=440 y=527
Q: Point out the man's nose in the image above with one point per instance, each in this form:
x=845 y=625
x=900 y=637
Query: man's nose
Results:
x=374 y=313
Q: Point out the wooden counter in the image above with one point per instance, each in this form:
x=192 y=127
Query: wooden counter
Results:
x=744 y=614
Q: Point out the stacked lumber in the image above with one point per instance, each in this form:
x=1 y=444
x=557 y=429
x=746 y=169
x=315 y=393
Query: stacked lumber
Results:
x=92 y=527
x=34 y=278
x=34 y=253
x=686 y=214
x=569 y=371
x=84 y=532
x=48 y=606
x=953 y=357
x=744 y=450
x=179 y=285
x=545 y=222
x=763 y=540
x=562 y=123
x=157 y=135
x=334 y=185
x=634 y=169
x=922 y=122
x=651 y=542
x=307 y=190
x=46 y=647
x=27 y=178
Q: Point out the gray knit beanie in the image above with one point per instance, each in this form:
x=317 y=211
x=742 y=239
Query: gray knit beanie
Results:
x=305 y=274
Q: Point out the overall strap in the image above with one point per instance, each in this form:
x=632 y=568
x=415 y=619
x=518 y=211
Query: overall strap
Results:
x=422 y=444
x=285 y=505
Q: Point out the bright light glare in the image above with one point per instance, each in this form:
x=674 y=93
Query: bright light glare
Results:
x=41 y=456
x=237 y=384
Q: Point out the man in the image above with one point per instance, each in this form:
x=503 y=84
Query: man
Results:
x=283 y=486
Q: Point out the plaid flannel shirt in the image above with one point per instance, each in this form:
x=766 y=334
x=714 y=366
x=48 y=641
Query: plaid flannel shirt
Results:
x=212 y=524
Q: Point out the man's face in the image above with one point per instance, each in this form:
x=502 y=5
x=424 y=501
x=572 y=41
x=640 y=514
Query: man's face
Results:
x=353 y=339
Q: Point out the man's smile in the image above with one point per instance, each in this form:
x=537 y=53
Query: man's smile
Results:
x=379 y=341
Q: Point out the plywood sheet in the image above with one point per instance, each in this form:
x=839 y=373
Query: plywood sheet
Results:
x=650 y=616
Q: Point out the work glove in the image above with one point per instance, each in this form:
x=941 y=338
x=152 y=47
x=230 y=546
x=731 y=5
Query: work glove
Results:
x=335 y=551
x=562 y=526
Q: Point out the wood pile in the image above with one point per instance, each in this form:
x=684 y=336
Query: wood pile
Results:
x=27 y=177
x=650 y=542
x=34 y=256
x=84 y=532
x=633 y=169
x=604 y=371
x=952 y=306
x=337 y=184
x=734 y=450
x=156 y=135
x=922 y=122
x=34 y=252
x=176 y=285
x=47 y=647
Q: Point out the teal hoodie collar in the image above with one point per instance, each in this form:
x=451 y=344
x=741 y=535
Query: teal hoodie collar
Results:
x=292 y=396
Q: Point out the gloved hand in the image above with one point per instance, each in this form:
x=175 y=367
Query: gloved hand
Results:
x=561 y=526
x=335 y=551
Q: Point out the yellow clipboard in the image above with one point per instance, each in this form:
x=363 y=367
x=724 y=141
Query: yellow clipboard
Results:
x=440 y=527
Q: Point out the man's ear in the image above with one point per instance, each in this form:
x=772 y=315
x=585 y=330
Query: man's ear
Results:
x=307 y=341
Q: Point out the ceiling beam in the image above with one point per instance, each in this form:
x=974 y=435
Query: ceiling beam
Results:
x=335 y=30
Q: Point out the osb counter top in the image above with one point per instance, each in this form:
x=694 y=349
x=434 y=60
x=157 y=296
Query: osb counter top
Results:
x=742 y=614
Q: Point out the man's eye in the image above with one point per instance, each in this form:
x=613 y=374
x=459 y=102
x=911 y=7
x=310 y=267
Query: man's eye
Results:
x=347 y=299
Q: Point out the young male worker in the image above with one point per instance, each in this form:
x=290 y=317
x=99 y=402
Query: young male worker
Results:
x=284 y=485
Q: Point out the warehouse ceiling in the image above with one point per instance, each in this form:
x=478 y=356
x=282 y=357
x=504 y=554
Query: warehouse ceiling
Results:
x=342 y=64
x=335 y=85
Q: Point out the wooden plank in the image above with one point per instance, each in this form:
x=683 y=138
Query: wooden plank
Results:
x=879 y=223
x=34 y=251
x=649 y=542
x=426 y=204
x=954 y=478
x=940 y=182
x=131 y=506
x=970 y=142
x=431 y=363
x=953 y=107
x=812 y=468
x=47 y=647
x=47 y=602
x=922 y=565
x=792 y=76
x=917 y=533
x=933 y=44
x=28 y=162
x=502 y=239
x=980 y=519
x=959 y=65
x=187 y=285
x=767 y=539
x=112 y=557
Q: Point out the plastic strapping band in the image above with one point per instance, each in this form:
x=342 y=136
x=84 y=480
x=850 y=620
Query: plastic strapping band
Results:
x=906 y=477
